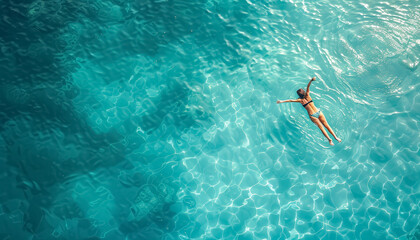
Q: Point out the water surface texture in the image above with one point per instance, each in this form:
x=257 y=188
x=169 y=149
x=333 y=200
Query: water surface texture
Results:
x=157 y=119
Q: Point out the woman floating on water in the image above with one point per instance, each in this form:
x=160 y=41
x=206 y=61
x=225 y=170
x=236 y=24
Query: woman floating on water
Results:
x=314 y=113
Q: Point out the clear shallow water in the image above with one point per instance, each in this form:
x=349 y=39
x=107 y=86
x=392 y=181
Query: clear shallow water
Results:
x=157 y=120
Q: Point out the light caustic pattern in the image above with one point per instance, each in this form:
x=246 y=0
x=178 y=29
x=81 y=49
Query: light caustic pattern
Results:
x=158 y=120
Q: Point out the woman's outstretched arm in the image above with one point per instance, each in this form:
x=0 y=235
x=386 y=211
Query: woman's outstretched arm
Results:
x=291 y=100
x=309 y=84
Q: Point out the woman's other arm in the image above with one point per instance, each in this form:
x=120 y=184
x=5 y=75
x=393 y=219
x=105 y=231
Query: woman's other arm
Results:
x=309 y=84
x=291 y=100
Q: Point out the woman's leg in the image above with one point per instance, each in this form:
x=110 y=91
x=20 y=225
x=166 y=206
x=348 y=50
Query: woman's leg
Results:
x=319 y=124
x=325 y=123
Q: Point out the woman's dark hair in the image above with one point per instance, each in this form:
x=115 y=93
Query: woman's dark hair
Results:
x=301 y=93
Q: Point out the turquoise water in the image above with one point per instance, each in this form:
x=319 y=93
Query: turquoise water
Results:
x=157 y=119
